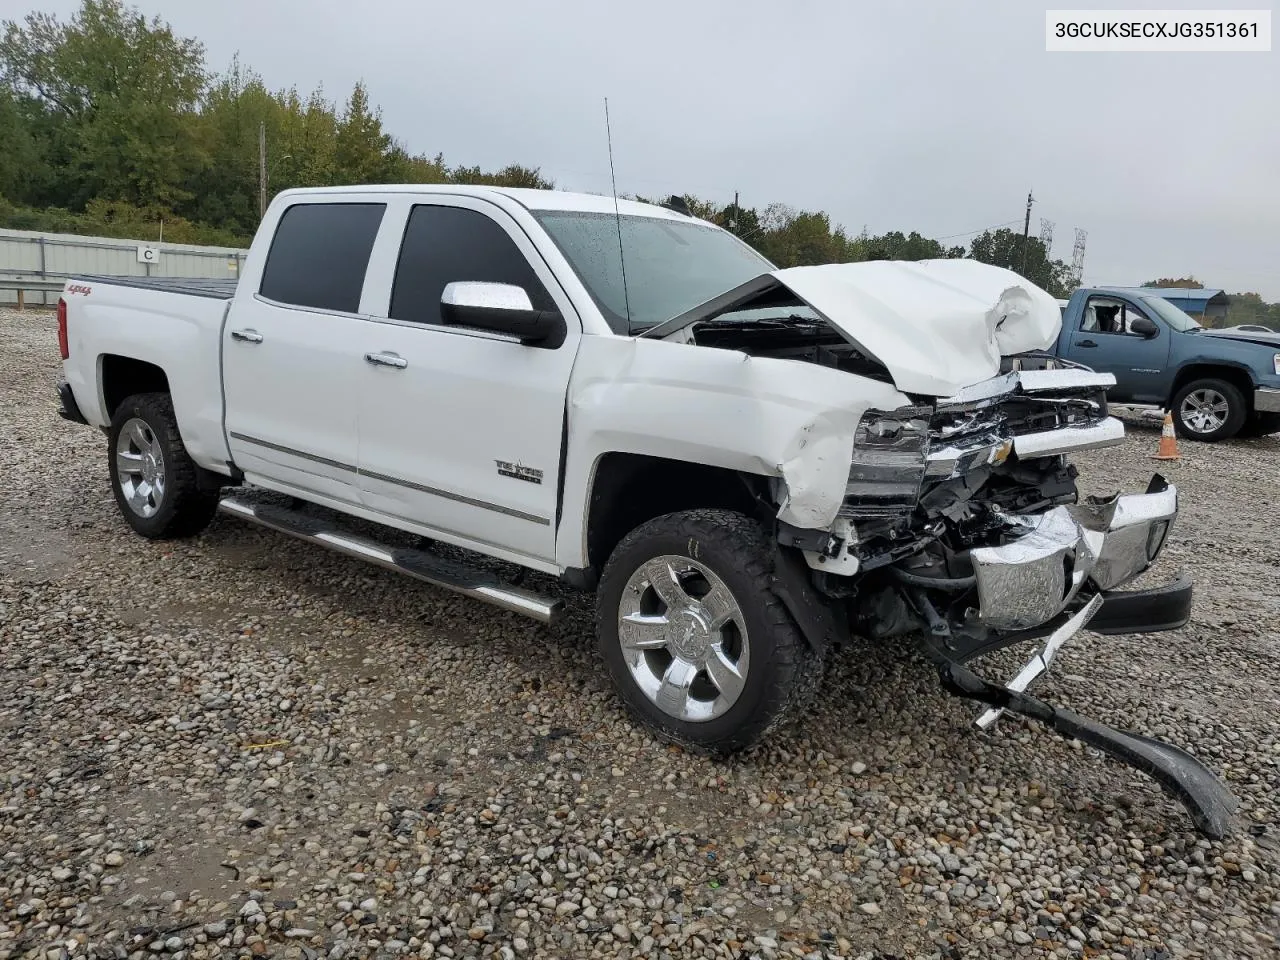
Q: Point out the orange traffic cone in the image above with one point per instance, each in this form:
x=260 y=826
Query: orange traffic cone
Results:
x=1168 y=441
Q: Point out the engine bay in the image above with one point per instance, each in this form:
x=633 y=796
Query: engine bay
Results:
x=789 y=338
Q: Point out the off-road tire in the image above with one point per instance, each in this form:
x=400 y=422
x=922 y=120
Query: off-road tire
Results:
x=190 y=496
x=1237 y=410
x=784 y=670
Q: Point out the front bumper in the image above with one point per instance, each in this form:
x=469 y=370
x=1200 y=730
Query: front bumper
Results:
x=1144 y=611
x=1209 y=803
x=1266 y=400
x=1048 y=559
x=1053 y=577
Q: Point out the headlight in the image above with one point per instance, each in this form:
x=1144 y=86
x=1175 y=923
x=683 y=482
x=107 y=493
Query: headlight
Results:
x=889 y=451
x=1275 y=363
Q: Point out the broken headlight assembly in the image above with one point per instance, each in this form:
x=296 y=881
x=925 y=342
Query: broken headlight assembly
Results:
x=889 y=456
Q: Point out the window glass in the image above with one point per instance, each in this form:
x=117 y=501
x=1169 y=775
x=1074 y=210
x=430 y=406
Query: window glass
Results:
x=671 y=265
x=320 y=253
x=1103 y=315
x=447 y=244
x=1180 y=321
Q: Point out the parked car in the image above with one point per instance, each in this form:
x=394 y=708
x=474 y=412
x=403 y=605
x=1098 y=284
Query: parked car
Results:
x=1247 y=328
x=1217 y=383
x=747 y=465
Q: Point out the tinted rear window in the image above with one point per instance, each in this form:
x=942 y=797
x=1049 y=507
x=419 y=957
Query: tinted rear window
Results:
x=320 y=253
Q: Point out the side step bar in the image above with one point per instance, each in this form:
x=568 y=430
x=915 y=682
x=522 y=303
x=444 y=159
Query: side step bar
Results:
x=435 y=570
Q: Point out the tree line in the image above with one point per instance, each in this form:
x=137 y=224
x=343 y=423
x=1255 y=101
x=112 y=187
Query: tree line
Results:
x=1244 y=307
x=114 y=125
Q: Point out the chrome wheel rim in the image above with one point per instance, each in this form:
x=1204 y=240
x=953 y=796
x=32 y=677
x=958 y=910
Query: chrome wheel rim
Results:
x=683 y=638
x=1204 y=410
x=140 y=468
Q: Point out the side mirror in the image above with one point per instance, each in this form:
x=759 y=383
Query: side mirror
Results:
x=501 y=308
x=1143 y=327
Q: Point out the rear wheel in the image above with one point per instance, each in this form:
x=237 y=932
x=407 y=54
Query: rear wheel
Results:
x=1209 y=410
x=697 y=644
x=161 y=492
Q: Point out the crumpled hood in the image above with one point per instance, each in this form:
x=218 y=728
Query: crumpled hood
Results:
x=937 y=325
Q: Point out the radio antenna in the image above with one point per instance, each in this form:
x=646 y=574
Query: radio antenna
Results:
x=617 y=215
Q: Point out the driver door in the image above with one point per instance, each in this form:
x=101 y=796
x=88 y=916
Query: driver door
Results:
x=460 y=430
x=1106 y=342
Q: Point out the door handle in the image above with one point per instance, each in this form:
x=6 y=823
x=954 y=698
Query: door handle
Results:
x=387 y=360
x=1086 y=343
x=246 y=336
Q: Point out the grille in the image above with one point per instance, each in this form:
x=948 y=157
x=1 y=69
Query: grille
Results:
x=1034 y=413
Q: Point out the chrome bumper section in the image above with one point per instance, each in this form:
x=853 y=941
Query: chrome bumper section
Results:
x=1035 y=576
x=1266 y=400
x=1051 y=443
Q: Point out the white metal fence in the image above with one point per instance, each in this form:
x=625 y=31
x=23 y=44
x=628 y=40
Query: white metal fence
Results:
x=37 y=258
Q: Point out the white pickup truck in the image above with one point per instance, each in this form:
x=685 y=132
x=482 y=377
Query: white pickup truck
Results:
x=749 y=466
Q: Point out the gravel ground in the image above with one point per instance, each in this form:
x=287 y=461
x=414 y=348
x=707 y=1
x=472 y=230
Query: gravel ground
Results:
x=242 y=745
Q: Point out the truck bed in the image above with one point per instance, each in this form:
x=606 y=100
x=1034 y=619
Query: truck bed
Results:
x=215 y=289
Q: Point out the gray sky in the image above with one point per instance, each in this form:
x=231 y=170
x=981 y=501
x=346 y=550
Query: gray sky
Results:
x=934 y=116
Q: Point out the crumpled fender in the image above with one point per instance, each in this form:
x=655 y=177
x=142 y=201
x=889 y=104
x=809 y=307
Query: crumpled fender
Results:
x=773 y=418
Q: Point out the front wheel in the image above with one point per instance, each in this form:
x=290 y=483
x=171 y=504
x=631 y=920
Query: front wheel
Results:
x=696 y=642
x=161 y=492
x=1209 y=410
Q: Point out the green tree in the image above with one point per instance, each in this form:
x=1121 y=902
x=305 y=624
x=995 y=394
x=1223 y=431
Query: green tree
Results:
x=21 y=159
x=1251 y=308
x=897 y=246
x=512 y=175
x=225 y=190
x=1190 y=283
x=362 y=149
x=1005 y=248
x=116 y=95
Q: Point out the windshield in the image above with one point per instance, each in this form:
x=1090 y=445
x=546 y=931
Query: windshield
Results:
x=1171 y=315
x=672 y=265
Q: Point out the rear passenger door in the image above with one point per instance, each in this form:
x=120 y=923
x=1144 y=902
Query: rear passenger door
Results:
x=291 y=353
x=463 y=434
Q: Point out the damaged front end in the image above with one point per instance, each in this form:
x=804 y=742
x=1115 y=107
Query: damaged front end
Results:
x=962 y=527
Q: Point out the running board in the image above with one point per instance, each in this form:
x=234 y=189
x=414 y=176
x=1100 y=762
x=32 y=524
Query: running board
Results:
x=420 y=564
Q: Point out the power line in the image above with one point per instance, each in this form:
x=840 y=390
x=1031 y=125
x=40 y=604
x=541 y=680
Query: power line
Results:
x=968 y=233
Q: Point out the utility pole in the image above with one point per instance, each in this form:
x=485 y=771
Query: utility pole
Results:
x=736 y=214
x=1026 y=233
x=261 y=172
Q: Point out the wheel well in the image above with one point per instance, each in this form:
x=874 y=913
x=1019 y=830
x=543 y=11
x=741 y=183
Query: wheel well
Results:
x=122 y=377
x=630 y=488
x=1199 y=371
